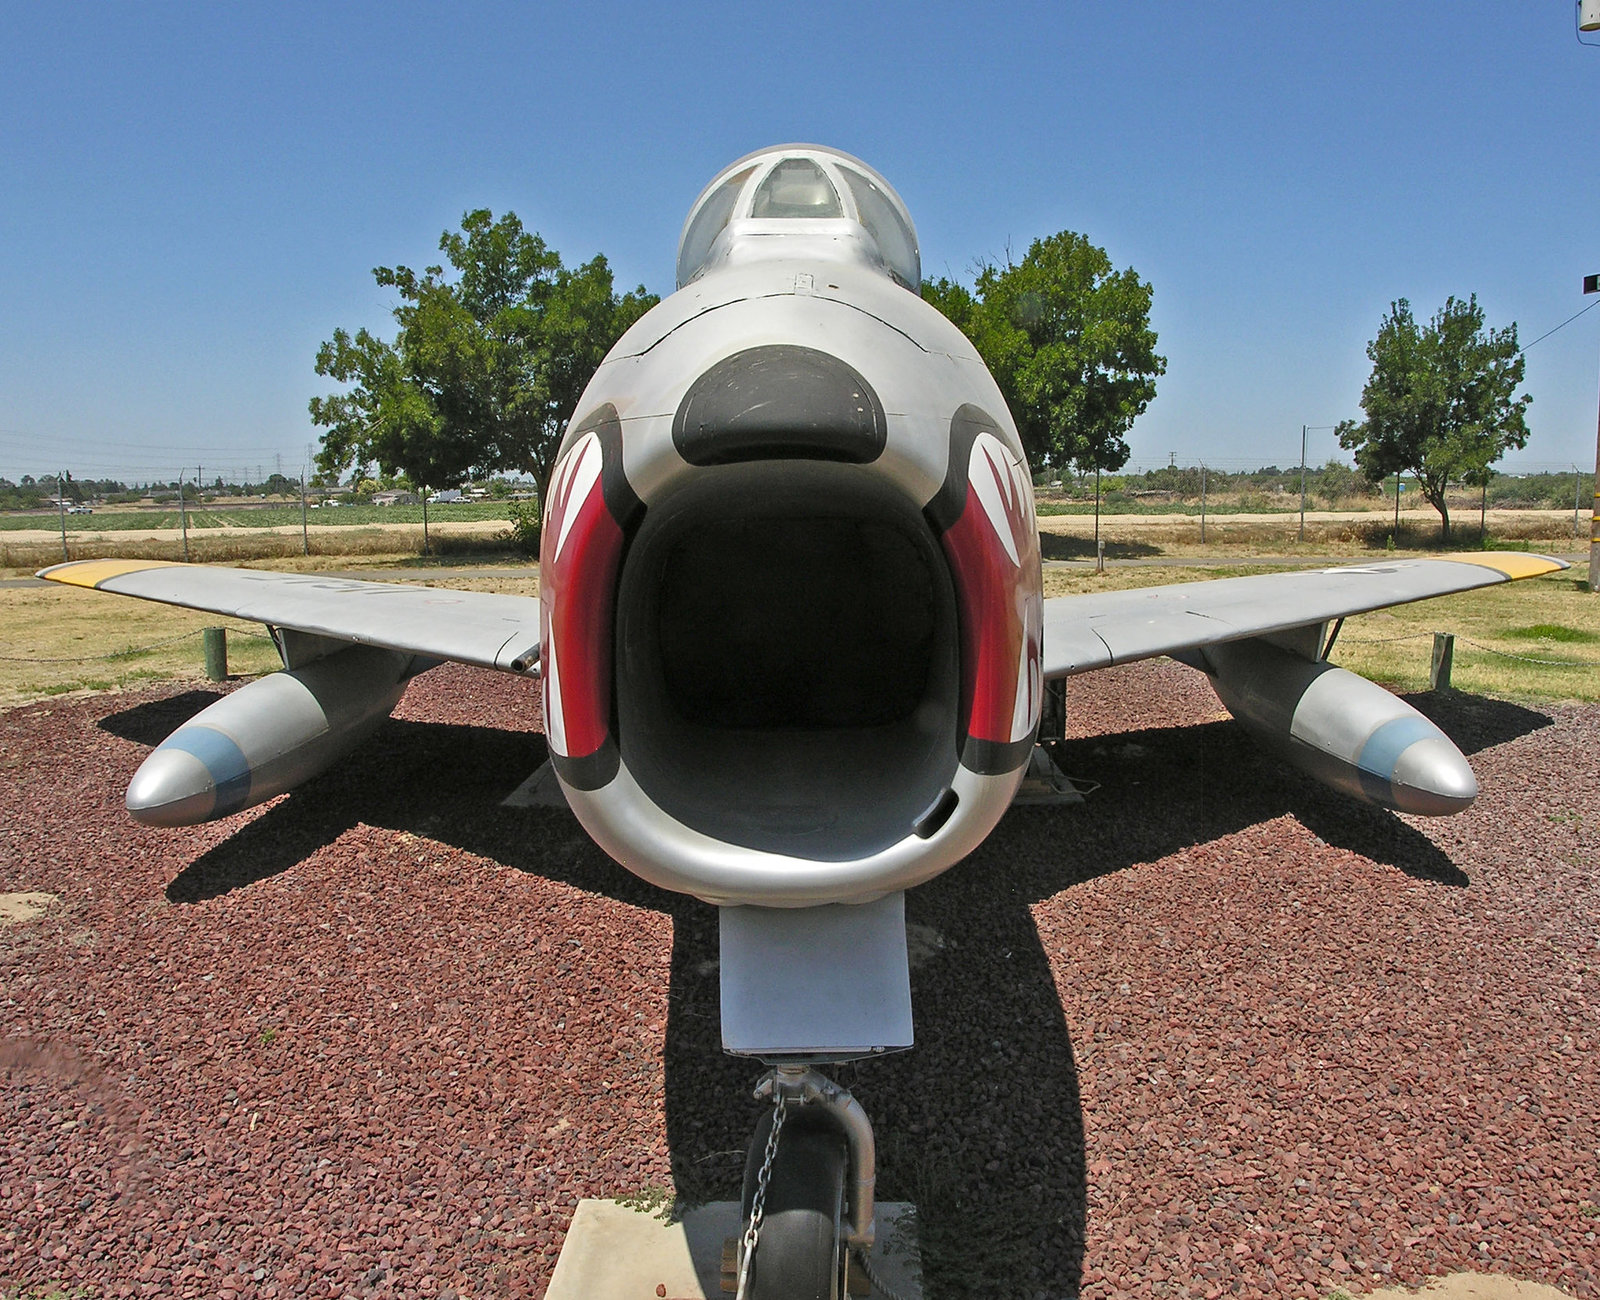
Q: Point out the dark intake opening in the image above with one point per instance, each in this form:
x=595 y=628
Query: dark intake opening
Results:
x=787 y=660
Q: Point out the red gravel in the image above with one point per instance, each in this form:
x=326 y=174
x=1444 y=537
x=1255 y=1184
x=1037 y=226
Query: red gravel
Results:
x=1215 y=1032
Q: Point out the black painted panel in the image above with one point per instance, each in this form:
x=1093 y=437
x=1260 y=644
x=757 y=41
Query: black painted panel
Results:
x=776 y=403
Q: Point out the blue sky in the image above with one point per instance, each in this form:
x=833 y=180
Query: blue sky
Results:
x=192 y=197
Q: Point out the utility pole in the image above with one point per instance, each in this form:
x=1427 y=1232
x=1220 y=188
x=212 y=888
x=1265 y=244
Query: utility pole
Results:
x=183 y=518
x=1202 y=503
x=305 y=532
x=1320 y=428
x=1591 y=284
x=1302 y=483
x=61 y=509
x=1099 y=554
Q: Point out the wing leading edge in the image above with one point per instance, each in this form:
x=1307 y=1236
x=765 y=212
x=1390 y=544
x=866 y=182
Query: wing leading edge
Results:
x=472 y=627
x=1098 y=630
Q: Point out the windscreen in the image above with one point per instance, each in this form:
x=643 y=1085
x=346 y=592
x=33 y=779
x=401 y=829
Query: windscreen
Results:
x=796 y=187
x=883 y=222
x=707 y=224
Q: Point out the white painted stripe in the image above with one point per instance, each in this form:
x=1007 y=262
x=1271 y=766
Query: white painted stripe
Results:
x=555 y=724
x=575 y=481
x=992 y=476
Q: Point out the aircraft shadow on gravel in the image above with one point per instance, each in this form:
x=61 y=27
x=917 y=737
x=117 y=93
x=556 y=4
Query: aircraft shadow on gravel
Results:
x=1477 y=722
x=981 y=1125
x=150 y=724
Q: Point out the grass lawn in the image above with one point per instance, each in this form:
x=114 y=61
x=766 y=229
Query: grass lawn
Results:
x=1536 y=639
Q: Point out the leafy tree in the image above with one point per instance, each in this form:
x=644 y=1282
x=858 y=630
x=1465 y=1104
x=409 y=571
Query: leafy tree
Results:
x=1068 y=340
x=486 y=368
x=955 y=301
x=1441 y=401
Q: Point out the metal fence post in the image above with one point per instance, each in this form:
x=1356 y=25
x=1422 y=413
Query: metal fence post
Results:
x=216 y=643
x=1444 y=653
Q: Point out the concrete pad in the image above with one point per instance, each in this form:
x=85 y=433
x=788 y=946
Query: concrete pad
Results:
x=1045 y=784
x=541 y=790
x=615 y=1253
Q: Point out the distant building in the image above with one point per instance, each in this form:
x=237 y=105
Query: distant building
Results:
x=394 y=497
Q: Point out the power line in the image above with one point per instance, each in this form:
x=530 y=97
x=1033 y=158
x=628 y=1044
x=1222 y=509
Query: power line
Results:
x=1563 y=325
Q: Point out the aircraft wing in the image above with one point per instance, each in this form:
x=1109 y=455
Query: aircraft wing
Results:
x=1097 y=630
x=472 y=627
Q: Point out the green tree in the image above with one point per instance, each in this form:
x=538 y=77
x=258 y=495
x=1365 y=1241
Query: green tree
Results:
x=1068 y=340
x=1440 y=402
x=487 y=366
x=955 y=301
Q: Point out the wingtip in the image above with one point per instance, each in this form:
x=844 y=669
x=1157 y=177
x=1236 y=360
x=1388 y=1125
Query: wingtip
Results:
x=1513 y=564
x=91 y=573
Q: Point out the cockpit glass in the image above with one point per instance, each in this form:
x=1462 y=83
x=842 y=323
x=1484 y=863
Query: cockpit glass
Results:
x=895 y=240
x=796 y=187
x=707 y=225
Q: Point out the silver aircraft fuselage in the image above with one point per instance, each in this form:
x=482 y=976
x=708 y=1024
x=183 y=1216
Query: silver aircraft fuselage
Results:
x=789 y=574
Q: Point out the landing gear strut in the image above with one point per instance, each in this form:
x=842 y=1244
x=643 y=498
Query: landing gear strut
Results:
x=808 y=1191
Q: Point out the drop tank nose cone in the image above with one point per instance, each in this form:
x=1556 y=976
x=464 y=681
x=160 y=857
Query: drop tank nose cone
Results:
x=172 y=788
x=1432 y=778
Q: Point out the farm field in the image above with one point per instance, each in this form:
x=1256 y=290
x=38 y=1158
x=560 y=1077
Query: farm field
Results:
x=111 y=519
x=394 y=534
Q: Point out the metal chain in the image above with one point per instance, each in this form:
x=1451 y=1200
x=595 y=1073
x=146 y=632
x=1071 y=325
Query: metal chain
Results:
x=758 y=1203
x=871 y=1274
x=90 y=659
x=1386 y=640
x=1476 y=645
x=131 y=651
x=1548 y=663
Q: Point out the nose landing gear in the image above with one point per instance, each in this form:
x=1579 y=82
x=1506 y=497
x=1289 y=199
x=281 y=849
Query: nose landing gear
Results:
x=808 y=1193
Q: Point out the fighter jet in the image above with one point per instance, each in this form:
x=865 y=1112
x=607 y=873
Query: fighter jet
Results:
x=793 y=649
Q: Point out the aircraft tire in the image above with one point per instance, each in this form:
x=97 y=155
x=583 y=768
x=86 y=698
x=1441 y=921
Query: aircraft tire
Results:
x=800 y=1253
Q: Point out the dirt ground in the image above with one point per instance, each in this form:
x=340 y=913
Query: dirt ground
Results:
x=1471 y=1286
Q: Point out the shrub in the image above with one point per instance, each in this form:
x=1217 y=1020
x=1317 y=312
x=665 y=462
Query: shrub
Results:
x=524 y=531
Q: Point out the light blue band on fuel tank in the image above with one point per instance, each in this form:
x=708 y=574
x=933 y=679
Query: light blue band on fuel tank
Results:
x=1385 y=745
x=1376 y=763
x=223 y=759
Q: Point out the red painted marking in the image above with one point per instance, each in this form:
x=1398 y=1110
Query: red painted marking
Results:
x=999 y=609
x=578 y=587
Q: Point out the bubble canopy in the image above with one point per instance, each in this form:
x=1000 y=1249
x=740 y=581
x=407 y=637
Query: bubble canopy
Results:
x=792 y=184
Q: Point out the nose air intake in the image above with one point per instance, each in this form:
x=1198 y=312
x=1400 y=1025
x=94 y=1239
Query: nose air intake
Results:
x=780 y=402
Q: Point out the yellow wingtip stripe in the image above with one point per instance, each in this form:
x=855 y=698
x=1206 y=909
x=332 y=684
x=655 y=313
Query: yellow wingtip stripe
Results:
x=1513 y=564
x=91 y=573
